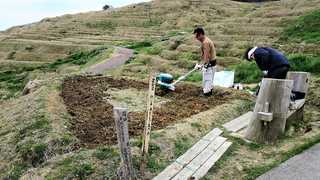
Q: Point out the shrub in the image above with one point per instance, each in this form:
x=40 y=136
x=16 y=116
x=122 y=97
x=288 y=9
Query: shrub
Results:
x=306 y=28
x=153 y=50
x=301 y=62
x=139 y=45
x=185 y=64
x=247 y=73
x=77 y=58
x=195 y=77
x=13 y=81
x=189 y=56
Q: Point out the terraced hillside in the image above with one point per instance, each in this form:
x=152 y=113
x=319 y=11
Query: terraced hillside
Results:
x=232 y=25
x=63 y=129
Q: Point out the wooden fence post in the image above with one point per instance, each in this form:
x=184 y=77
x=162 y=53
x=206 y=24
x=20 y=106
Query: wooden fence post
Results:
x=148 y=121
x=125 y=171
x=274 y=93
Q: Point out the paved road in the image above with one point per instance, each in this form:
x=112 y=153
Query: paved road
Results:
x=305 y=166
x=119 y=57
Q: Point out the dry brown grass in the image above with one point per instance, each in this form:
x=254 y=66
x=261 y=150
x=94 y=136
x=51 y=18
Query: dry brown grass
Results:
x=231 y=25
x=222 y=19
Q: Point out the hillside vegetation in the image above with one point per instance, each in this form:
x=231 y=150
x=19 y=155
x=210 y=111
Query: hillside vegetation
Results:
x=306 y=28
x=38 y=131
x=232 y=26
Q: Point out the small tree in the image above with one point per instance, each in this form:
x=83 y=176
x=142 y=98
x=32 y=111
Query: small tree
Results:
x=106 y=7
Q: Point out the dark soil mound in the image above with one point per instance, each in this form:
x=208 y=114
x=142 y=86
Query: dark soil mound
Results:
x=93 y=121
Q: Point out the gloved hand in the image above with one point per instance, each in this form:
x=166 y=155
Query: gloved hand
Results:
x=198 y=66
x=265 y=73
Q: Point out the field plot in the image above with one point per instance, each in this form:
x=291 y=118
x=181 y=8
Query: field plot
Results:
x=90 y=101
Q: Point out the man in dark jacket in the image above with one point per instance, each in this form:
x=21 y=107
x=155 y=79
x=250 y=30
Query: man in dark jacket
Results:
x=270 y=60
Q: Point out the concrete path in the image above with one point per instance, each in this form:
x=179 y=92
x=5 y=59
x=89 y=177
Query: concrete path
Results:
x=305 y=166
x=119 y=57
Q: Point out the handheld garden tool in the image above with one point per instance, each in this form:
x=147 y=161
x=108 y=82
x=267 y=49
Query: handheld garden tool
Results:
x=166 y=80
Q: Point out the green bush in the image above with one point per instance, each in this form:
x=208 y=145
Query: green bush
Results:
x=77 y=58
x=139 y=45
x=306 y=28
x=153 y=50
x=189 y=56
x=246 y=72
x=14 y=80
x=301 y=62
x=195 y=77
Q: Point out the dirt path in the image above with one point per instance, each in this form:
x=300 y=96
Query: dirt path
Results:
x=119 y=57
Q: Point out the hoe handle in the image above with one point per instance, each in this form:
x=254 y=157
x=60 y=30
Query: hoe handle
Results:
x=184 y=76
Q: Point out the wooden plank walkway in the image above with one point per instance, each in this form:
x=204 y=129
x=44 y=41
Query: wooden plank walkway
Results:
x=197 y=161
x=238 y=123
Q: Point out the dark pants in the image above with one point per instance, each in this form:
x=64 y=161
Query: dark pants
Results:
x=278 y=73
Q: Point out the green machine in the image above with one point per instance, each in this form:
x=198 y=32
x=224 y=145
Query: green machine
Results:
x=166 y=80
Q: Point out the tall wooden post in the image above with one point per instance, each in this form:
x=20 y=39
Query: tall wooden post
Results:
x=125 y=171
x=148 y=121
x=266 y=127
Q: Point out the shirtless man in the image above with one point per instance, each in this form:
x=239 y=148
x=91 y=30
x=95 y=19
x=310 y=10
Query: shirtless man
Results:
x=208 y=56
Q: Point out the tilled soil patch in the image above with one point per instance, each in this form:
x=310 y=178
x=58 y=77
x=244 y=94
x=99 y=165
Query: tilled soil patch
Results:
x=93 y=121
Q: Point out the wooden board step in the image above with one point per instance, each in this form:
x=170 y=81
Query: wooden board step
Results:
x=197 y=162
x=238 y=123
x=203 y=170
x=198 y=159
x=294 y=106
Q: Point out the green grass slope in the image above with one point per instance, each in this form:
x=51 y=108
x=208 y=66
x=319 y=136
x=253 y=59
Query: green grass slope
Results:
x=35 y=140
x=306 y=28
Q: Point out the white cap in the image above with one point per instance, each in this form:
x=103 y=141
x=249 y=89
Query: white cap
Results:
x=251 y=52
